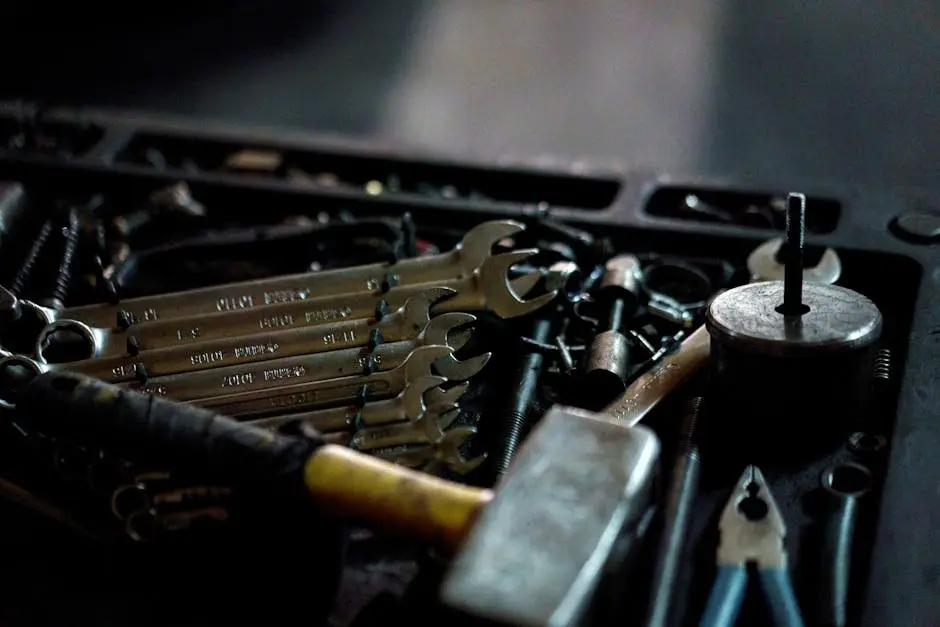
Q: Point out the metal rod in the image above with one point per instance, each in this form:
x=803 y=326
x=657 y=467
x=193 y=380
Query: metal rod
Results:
x=793 y=274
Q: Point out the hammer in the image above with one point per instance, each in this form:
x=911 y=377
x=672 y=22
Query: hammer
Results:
x=532 y=553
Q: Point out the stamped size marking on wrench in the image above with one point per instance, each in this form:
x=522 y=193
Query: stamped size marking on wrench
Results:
x=318 y=394
x=187 y=386
x=487 y=289
x=458 y=263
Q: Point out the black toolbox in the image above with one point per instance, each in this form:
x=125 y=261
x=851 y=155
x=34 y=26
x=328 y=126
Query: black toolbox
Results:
x=888 y=241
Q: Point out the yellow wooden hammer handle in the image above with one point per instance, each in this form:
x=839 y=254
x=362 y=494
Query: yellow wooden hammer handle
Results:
x=349 y=484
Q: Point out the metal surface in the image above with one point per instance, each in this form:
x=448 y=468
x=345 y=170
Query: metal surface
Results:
x=204 y=383
x=607 y=362
x=535 y=555
x=843 y=486
x=487 y=289
x=763 y=265
x=316 y=394
x=410 y=404
x=623 y=273
x=461 y=262
x=838 y=319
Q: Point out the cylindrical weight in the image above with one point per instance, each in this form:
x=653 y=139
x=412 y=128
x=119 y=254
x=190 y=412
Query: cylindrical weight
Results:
x=789 y=386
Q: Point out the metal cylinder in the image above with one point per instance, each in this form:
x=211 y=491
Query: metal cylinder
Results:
x=607 y=362
x=789 y=387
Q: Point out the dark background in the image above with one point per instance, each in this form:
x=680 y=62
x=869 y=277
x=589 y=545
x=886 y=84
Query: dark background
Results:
x=836 y=90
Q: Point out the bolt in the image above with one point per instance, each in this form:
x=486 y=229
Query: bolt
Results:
x=512 y=421
x=59 y=290
x=793 y=273
x=29 y=264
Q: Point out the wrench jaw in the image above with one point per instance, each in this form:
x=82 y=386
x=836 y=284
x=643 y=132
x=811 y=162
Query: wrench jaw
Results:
x=522 y=285
x=455 y=370
x=763 y=265
x=443 y=329
x=412 y=399
x=419 y=363
x=500 y=297
x=477 y=245
x=92 y=340
x=417 y=309
x=438 y=398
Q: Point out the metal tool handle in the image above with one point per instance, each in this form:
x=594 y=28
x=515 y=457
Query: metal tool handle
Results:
x=650 y=388
x=784 y=610
x=724 y=601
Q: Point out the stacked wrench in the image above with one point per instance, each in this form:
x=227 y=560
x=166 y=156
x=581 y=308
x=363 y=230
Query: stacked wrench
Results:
x=487 y=289
x=459 y=263
x=322 y=351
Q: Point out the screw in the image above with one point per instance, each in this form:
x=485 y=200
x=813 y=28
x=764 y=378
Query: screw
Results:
x=63 y=276
x=512 y=421
x=29 y=264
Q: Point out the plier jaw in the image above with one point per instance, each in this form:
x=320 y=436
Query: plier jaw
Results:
x=752 y=532
x=751 y=526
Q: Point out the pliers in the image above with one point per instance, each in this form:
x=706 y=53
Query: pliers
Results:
x=752 y=531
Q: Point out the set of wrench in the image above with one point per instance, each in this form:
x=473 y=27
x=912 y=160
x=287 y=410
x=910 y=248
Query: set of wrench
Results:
x=364 y=354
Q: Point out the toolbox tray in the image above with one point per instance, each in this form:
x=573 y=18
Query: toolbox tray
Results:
x=107 y=151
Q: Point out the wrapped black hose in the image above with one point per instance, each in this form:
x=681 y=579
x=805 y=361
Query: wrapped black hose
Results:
x=160 y=433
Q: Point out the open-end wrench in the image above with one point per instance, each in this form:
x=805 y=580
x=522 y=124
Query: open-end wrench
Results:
x=763 y=265
x=407 y=323
x=445 y=453
x=487 y=289
x=330 y=393
x=203 y=383
x=427 y=428
x=319 y=336
x=421 y=394
x=460 y=262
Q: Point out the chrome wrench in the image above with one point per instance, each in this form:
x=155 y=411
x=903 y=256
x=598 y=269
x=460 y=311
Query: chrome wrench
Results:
x=408 y=323
x=188 y=386
x=318 y=394
x=427 y=428
x=421 y=394
x=763 y=265
x=487 y=289
x=460 y=262
x=443 y=454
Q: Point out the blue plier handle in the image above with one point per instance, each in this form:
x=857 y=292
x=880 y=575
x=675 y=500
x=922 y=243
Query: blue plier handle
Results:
x=752 y=531
x=727 y=594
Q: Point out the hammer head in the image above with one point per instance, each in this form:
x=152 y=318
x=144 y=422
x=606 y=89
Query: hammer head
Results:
x=536 y=553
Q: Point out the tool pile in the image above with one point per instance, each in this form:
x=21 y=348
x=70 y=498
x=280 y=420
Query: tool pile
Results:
x=476 y=387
